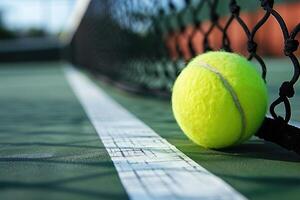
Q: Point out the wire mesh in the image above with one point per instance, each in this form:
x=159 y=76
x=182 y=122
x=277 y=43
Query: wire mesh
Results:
x=143 y=45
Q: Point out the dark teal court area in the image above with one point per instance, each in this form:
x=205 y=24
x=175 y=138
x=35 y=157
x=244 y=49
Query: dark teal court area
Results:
x=49 y=149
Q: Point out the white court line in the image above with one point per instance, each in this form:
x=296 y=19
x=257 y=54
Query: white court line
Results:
x=149 y=167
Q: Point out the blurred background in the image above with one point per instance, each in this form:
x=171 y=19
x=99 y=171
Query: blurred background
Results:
x=33 y=18
x=30 y=28
x=30 y=25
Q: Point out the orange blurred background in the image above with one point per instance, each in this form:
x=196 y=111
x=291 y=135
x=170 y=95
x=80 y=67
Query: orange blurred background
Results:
x=269 y=37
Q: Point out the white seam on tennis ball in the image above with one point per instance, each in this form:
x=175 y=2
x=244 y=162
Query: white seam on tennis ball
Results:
x=232 y=93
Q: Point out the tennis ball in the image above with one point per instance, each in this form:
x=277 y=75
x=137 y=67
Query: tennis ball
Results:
x=219 y=100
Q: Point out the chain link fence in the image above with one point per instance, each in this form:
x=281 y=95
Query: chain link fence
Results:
x=142 y=46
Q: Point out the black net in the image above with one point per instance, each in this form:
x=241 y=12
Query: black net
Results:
x=142 y=46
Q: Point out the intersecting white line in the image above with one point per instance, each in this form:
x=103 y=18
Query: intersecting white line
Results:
x=149 y=167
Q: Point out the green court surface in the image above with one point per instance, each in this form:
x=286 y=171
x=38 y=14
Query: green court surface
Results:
x=49 y=149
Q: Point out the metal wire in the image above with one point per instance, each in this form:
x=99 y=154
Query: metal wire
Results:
x=143 y=45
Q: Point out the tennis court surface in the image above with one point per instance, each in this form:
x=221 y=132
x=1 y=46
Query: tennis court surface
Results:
x=87 y=113
x=51 y=150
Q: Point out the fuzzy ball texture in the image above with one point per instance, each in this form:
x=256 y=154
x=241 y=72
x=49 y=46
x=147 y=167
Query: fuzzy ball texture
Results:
x=219 y=100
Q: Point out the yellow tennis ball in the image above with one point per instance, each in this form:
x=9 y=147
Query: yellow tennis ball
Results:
x=219 y=100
